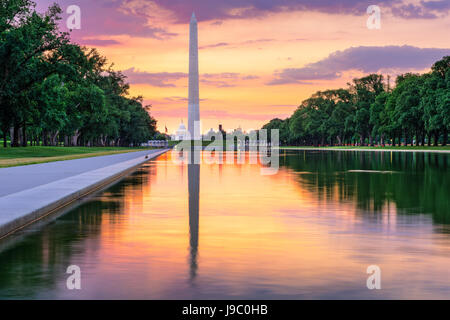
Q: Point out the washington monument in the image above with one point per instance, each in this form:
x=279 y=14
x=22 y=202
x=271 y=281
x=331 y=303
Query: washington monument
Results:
x=194 y=100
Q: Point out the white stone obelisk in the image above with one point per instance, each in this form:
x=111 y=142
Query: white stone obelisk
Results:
x=194 y=99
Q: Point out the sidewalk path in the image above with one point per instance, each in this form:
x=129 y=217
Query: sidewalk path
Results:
x=17 y=179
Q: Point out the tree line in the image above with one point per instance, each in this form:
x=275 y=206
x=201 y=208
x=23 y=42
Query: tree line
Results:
x=368 y=112
x=54 y=92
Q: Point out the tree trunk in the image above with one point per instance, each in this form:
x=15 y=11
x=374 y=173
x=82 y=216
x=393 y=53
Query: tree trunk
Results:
x=44 y=138
x=24 y=136
x=20 y=137
x=370 y=140
x=5 y=135
x=15 y=138
x=444 y=141
x=436 y=139
x=53 y=138
x=75 y=138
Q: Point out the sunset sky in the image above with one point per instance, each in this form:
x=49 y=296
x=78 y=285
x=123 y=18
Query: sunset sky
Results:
x=258 y=58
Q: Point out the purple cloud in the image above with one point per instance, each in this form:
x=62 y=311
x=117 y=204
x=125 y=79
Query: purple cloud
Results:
x=226 y=9
x=223 y=75
x=237 y=44
x=107 y=17
x=157 y=79
x=151 y=18
x=257 y=41
x=179 y=99
x=217 y=83
x=422 y=10
x=231 y=9
x=250 y=77
x=167 y=79
x=436 y=5
x=365 y=59
x=411 y=11
x=215 y=45
x=98 y=42
x=176 y=99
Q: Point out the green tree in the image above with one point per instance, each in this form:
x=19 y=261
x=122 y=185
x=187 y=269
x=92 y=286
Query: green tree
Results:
x=379 y=117
x=29 y=45
x=408 y=111
x=282 y=126
x=434 y=101
x=364 y=91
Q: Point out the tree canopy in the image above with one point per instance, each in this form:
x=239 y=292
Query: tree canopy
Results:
x=368 y=111
x=54 y=91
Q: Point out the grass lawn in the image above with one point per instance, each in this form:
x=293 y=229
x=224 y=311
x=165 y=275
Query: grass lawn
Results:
x=431 y=148
x=10 y=157
x=204 y=143
x=173 y=143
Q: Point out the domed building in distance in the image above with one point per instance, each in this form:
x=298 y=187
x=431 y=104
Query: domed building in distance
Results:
x=181 y=133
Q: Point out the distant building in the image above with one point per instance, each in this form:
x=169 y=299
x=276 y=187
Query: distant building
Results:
x=211 y=133
x=238 y=131
x=223 y=131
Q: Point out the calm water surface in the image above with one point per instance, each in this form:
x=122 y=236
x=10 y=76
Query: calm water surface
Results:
x=206 y=231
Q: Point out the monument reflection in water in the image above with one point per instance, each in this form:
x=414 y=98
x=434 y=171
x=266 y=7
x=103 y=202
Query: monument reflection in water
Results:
x=194 y=203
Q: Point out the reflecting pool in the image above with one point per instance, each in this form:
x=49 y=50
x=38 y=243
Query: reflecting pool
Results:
x=219 y=231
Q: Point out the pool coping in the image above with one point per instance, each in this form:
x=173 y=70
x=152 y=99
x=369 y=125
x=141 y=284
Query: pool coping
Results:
x=20 y=209
x=363 y=149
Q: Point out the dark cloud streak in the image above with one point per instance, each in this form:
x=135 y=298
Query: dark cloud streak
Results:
x=364 y=59
x=98 y=42
x=136 y=18
x=168 y=79
x=220 y=10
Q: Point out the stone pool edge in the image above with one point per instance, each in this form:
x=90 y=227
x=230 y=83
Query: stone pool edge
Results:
x=364 y=150
x=18 y=210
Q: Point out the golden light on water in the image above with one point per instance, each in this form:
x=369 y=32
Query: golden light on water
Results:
x=270 y=232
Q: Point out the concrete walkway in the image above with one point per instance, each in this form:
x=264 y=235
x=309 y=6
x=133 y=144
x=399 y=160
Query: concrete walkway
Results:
x=17 y=179
x=28 y=193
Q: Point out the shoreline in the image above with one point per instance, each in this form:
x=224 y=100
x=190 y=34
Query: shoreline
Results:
x=24 y=156
x=365 y=149
x=21 y=209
